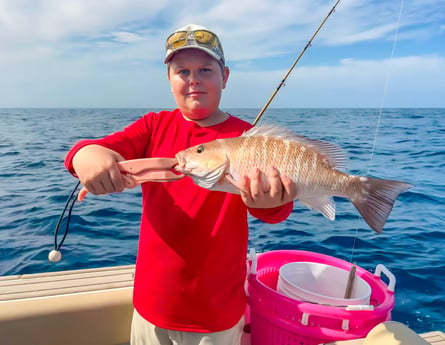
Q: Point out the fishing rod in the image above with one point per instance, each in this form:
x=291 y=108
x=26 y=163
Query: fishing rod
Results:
x=260 y=114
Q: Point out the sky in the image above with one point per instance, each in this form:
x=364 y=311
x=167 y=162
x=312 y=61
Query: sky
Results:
x=109 y=53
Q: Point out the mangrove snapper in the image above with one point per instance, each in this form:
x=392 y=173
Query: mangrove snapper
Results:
x=312 y=164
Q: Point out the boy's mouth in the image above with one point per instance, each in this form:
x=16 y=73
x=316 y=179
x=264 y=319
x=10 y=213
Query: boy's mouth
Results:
x=196 y=93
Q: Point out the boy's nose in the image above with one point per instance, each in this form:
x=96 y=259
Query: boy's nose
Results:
x=194 y=78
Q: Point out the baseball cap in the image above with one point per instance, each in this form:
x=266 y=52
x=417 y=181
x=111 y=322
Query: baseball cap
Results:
x=196 y=37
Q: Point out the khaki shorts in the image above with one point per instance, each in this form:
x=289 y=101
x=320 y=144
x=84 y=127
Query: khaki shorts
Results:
x=145 y=333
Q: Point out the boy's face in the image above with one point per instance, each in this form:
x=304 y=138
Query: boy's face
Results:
x=196 y=81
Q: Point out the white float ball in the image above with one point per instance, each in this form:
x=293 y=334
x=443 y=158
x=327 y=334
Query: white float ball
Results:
x=54 y=256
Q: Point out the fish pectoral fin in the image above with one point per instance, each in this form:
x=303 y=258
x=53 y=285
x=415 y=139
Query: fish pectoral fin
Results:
x=225 y=185
x=323 y=204
x=206 y=184
x=231 y=180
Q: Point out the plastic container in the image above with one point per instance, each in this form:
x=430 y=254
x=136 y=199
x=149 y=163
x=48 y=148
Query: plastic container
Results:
x=279 y=320
x=321 y=283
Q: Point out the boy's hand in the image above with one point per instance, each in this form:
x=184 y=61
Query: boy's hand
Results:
x=276 y=191
x=97 y=170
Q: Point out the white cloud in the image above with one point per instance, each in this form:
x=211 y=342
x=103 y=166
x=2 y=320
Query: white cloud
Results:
x=72 y=48
x=414 y=81
x=51 y=20
x=127 y=37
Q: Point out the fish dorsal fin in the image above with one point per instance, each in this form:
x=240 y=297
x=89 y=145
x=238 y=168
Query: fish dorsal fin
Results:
x=335 y=156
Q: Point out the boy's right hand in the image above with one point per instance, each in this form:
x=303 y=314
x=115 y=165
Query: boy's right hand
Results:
x=97 y=170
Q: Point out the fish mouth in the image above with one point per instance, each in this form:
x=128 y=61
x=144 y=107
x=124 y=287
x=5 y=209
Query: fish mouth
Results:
x=181 y=169
x=187 y=167
x=181 y=166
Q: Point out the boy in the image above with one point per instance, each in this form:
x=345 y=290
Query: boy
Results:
x=191 y=262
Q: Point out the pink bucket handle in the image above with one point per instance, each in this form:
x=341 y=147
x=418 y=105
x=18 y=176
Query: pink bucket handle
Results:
x=379 y=269
x=253 y=261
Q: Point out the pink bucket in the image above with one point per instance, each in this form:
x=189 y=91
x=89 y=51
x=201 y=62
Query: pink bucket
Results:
x=277 y=319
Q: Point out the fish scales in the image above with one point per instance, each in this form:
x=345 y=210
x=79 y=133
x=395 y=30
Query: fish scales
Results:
x=302 y=163
x=306 y=166
x=313 y=165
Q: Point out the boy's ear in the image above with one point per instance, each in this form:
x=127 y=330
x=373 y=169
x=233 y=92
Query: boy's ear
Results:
x=226 y=73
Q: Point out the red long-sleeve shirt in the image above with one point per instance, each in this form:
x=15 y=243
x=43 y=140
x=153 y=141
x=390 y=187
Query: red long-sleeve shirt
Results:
x=191 y=262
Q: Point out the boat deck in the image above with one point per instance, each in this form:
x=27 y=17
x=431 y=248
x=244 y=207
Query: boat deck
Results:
x=65 y=282
x=434 y=338
x=88 y=307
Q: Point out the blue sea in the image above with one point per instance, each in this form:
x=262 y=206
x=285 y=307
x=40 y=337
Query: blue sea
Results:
x=403 y=144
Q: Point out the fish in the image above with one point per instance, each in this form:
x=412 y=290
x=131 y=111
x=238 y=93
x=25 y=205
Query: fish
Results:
x=314 y=165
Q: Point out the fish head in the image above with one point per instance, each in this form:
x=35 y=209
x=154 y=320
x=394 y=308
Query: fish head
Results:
x=206 y=163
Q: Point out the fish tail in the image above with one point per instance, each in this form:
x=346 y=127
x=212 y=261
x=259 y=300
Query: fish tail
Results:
x=375 y=199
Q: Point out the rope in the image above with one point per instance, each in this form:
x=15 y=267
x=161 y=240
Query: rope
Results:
x=68 y=205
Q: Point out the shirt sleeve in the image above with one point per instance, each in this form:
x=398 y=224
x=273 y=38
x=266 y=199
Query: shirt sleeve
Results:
x=129 y=143
x=272 y=215
x=72 y=152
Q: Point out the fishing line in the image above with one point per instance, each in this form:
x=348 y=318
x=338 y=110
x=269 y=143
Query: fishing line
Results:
x=283 y=80
x=385 y=87
x=382 y=102
x=55 y=254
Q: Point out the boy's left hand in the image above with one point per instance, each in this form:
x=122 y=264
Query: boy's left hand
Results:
x=279 y=190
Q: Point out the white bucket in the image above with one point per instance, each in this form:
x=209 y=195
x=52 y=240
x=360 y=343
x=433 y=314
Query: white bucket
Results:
x=323 y=284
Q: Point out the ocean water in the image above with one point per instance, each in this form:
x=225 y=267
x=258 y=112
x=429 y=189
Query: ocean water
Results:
x=404 y=144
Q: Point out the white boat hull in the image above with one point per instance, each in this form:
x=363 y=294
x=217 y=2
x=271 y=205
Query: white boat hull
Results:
x=72 y=307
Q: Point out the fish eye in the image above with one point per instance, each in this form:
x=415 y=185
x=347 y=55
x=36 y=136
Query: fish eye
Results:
x=200 y=149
